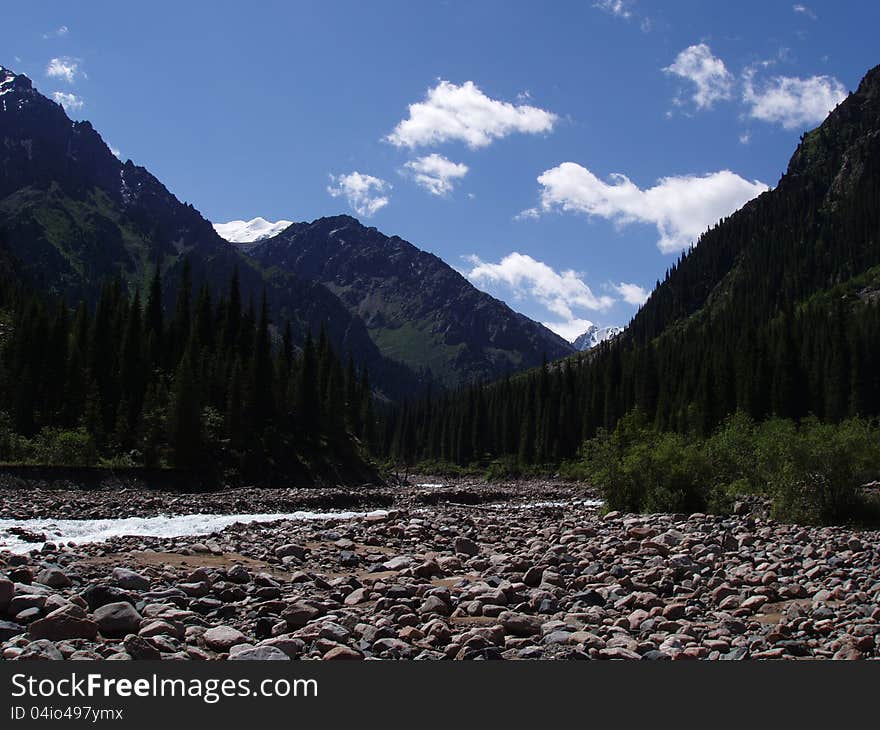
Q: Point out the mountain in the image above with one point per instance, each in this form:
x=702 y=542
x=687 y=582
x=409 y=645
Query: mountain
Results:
x=418 y=310
x=774 y=312
x=595 y=335
x=73 y=216
x=256 y=229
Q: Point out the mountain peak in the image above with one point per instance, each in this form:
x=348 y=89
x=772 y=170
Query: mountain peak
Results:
x=594 y=336
x=11 y=81
x=420 y=311
x=256 y=229
x=870 y=84
x=342 y=220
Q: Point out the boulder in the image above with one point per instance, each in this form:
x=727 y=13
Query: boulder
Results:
x=42 y=649
x=116 y=620
x=7 y=591
x=130 y=580
x=54 y=578
x=62 y=624
x=466 y=546
x=342 y=652
x=223 y=638
x=259 y=654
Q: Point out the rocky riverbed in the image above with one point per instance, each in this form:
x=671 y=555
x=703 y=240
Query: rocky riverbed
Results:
x=442 y=571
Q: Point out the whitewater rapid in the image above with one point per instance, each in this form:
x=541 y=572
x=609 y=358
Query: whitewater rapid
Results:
x=62 y=532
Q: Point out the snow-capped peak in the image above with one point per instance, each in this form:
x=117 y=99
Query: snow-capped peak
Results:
x=594 y=336
x=256 y=229
x=7 y=79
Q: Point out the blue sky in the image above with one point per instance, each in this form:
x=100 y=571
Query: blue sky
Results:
x=493 y=134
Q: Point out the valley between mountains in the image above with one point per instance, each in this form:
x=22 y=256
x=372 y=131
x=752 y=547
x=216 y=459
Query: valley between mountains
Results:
x=311 y=440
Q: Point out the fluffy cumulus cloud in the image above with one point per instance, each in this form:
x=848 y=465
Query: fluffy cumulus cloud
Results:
x=464 y=113
x=563 y=293
x=70 y=102
x=64 y=68
x=789 y=101
x=631 y=293
x=681 y=207
x=710 y=77
x=365 y=194
x=792 y=102
x=435 y=173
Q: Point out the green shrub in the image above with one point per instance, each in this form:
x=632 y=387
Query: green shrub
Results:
x=67 y=447
x=639 y=470
x=504 y=468
x=812 y=471
x=820 y=476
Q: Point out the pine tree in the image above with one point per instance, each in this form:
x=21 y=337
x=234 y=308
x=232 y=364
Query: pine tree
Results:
x=154 y=326
x=184 y=417
x=308 y=403
x=132 y=374
x=181 y=328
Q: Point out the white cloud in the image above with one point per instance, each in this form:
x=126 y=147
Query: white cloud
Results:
x=682 y=207
x=64 y=68
x=707 y=72
x=804 y=10
x=789 y=101
x=560 y=292
x=451 y=112
x=70 y=102
x=618 y=8
x=631 y=293
x=59 y=32
x=527 y=214
x=365 y=194
x=792 y=102
x=625 y=10
x=435 y=173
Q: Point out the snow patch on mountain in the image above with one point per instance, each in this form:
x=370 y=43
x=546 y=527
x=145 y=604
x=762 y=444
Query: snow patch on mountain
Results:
x=6 y=79
x=256 y=229
x=594 y=336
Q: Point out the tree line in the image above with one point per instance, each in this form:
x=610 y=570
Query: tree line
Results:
x=212 y=386
x=776 y=312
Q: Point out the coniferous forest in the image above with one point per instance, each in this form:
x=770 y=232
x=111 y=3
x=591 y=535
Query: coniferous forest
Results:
x=212 y=387
x=808 y=362
x=774 y=312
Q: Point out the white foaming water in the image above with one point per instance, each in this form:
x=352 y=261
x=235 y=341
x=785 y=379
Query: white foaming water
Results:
x=431 y=486
x=569 y=503
x=83 y=531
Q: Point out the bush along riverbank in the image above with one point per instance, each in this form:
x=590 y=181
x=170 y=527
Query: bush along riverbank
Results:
x=812 y=472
